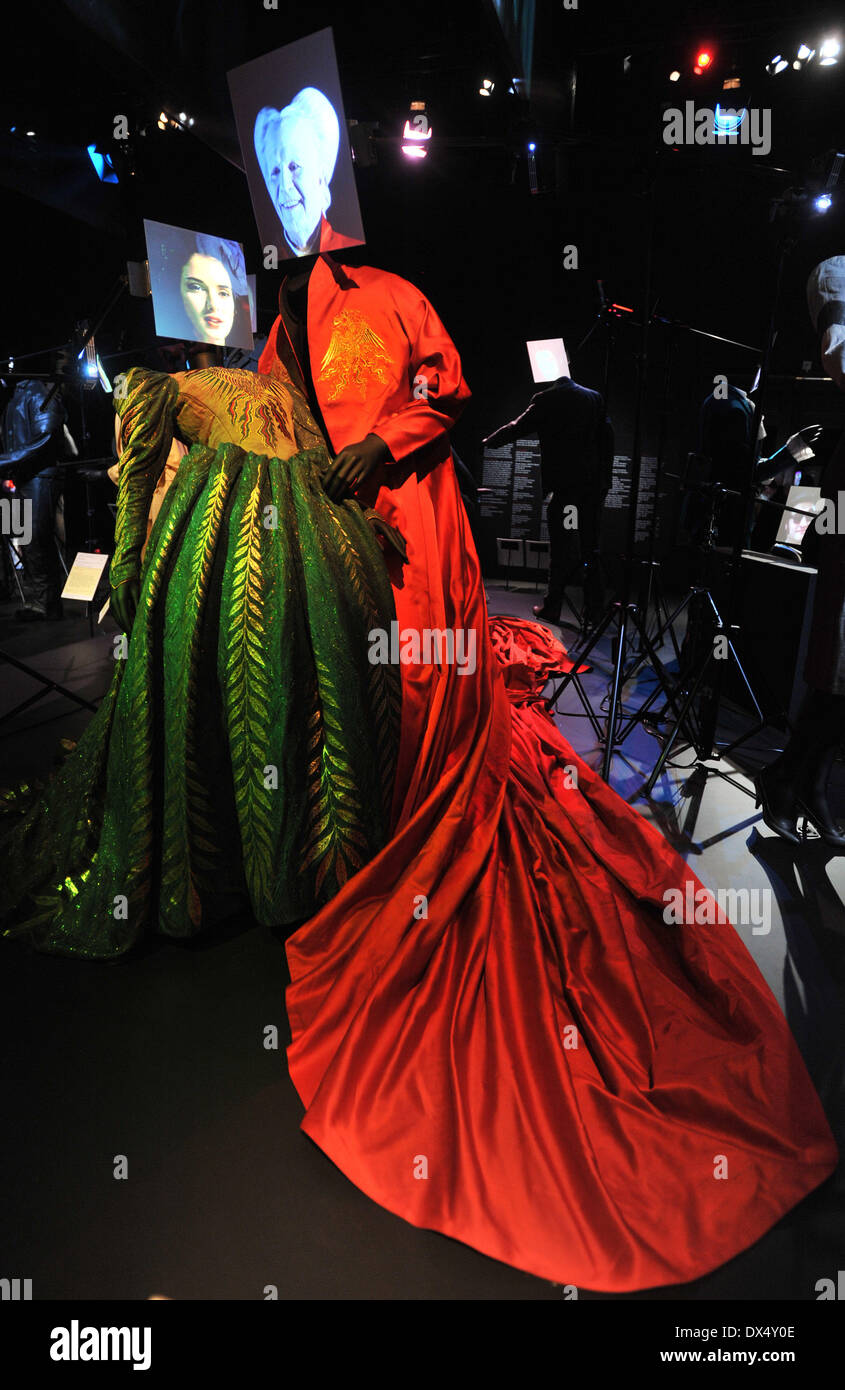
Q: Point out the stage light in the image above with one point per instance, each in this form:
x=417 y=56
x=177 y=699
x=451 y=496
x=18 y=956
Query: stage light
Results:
x=823 y=202
x=183 y=116
x=777 y=65
x=417 y=130
x=675 y=76
x=30 y=133
x=532 y=168
x=106 y=171
x=829 y=52
x=725 y=124
x=805 y=53
x=704 y=59
x=730 y=84
x=486 y=87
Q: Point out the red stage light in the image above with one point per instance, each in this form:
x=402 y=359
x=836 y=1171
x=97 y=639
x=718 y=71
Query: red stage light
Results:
x=703 y=59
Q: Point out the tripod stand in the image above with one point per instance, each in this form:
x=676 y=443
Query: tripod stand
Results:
x=624 y=613
x=653 y=589
x=692 y=680
x=704 y=743
x=57 y=378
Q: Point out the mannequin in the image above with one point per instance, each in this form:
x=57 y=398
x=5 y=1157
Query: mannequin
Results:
x=356 y=461
x=576 y=448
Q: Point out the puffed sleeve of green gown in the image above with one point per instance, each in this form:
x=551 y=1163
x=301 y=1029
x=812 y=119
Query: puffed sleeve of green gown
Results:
x=145 y=402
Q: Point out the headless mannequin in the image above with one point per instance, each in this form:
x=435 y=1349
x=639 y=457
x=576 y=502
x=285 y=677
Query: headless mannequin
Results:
x=202 y=355
x=293 y=340
x=355 y=461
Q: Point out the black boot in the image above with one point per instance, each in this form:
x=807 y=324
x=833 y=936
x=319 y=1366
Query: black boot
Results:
x=813 y=803
x=548 y=610
x=777 y=795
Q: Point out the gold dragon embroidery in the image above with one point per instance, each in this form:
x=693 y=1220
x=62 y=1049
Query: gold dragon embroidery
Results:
x=354 y=356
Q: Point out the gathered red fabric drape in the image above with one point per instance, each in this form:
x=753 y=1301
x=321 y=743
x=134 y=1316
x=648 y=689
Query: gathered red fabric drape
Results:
x=495 y=1033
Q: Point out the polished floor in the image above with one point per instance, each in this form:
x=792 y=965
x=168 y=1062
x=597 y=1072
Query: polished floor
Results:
x=157 y=1066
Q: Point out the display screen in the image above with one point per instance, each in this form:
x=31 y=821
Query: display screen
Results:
x=548 y=359
x=199 y=286
x=807 y=502
x=293 y=135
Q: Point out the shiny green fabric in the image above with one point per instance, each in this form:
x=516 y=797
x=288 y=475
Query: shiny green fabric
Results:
x=245 y=750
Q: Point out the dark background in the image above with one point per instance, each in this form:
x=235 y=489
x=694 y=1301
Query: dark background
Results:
x=462 y=224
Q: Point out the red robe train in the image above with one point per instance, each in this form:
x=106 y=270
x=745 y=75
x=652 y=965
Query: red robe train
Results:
x=495 y=1034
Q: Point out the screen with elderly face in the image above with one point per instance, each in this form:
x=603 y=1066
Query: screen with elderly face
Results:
x=289 y=112
x=200 y=286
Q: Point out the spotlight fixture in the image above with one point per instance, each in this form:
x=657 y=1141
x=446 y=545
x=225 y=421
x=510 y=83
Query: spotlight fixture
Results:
x=675 y=76
x=179 y=122
x=532 y=167
x=829 y=52
x=417 y=132
x=777 y=65
x=727 y=123
x=486 y=88
x=106 y=171
x=823 y=202
x=703 y=60
x=730 y=84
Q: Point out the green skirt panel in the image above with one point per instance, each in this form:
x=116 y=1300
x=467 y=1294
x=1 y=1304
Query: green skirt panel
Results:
x=244 y=753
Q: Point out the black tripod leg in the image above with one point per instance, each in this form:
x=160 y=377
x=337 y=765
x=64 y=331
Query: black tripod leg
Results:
x=761 y=718
x=48 y=687
x=610 y=737
x=580 y=657
x=660 y=672
x=588 y=709
x=668 y=745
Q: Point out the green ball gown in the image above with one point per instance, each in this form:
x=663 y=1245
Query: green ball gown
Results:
x=243 y=755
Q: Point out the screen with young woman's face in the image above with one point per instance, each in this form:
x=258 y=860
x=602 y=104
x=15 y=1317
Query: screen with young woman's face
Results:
x=292 y=130
x=199 y=285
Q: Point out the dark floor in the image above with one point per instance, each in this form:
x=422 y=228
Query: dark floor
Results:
x=161 y=1058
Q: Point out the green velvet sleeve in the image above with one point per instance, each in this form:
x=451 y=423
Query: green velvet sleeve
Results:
x=145 y=402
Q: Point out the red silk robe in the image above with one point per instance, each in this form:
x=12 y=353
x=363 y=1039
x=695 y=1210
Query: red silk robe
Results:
x=371 y=337
x=330 y=240
x=496 y=1034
